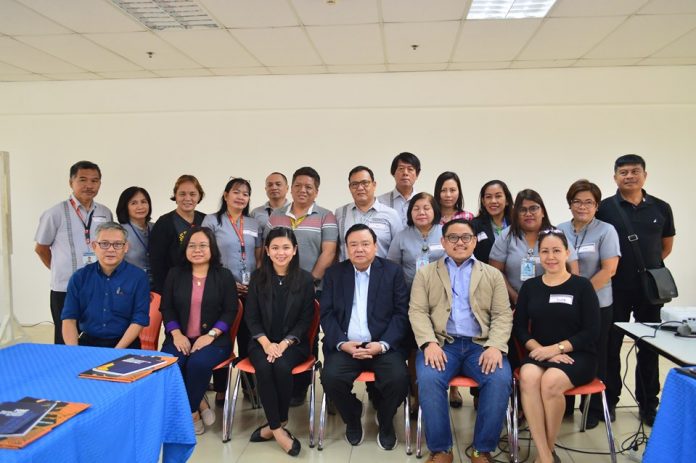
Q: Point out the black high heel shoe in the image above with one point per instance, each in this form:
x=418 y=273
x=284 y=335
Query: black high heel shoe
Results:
x=295 y=449
x=256 y=435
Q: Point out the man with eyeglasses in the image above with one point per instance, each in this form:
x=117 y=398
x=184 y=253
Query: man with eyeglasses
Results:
x=653 y=226
x=405 y=168
x=65 y=233
x=365 y=209
x=107 y=303
x=461 y=318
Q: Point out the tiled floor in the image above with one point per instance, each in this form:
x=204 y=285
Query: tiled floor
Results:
x=337 y=450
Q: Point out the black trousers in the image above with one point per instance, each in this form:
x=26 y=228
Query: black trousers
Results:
x=57 y=303
x=391 y=383
x=275 y=381
x=647 y=373
x=606 y=317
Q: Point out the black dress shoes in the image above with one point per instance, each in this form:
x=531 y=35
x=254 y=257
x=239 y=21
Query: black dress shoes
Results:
x=295 y=449
x=256 y=435
x=647 y=416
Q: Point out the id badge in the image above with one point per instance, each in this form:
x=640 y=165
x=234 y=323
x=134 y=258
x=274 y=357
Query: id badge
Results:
x=89 y=258
x=527 y=269
x=246 y=277
x=422 y=261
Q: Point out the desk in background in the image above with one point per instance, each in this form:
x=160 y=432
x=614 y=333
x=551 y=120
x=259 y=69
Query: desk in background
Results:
x=126 y=422
x=679 y=350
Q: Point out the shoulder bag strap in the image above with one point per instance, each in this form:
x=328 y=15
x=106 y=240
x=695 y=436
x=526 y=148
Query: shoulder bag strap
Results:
x=631 y=237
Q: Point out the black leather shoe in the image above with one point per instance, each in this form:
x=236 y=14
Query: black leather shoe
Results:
x=612 y=414
x=386 y=437
x=354 y=433
x=295 y=449
x=592 y=421
x=647 y=416
x=296 y=401
x=256 y=435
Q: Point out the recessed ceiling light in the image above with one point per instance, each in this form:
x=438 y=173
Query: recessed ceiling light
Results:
x=168 y=14
x=509 y=9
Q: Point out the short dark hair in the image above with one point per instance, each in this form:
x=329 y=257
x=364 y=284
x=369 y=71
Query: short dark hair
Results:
x=87 y=165
x=223 y=205
x=627 y=159
x=446 y=226
x=278 y=173
x=551 y=231
x=583 y=185
x=187 y=178
x=359 y=169
x=437 y=215
x=508 y=199
x=124 y=199
x=215 y=258
x=309 y=172
x=406 y=158
x=441 y=179
x=360 y=227
x=529 y=195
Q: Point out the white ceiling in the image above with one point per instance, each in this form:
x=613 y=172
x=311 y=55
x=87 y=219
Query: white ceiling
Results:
x=93 y=39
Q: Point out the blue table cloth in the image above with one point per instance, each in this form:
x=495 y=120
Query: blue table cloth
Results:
x=126 y=422
x=673 y=436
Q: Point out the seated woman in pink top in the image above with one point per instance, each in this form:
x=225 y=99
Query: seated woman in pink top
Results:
x=199 y=304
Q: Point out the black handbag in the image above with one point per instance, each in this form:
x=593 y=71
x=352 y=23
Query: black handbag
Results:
x=657 y=283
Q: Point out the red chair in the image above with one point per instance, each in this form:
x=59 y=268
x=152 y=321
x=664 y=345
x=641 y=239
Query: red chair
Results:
x=465 y=381
x=245 y=366
x=366 y=377
x=149 y=336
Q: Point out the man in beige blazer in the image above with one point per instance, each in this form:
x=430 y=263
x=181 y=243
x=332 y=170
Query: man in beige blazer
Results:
x=460 y=315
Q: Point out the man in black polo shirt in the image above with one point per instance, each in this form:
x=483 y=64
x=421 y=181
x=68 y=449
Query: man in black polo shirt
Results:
x=652 y=221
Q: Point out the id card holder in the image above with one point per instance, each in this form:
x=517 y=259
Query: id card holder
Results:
x=422 y=261
x=527 y=269
x=246 y=277
x=89 y=257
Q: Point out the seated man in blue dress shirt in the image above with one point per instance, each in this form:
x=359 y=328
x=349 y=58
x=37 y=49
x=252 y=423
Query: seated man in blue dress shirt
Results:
x=108 y=302
x=460 y=314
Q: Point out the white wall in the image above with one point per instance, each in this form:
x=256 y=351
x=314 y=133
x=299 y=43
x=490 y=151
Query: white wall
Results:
x=532 y=128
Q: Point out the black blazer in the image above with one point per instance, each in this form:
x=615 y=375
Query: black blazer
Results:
x=165 y=247
x=258 y=310
x=483 y=246
x=219 y=304
x=387 y=304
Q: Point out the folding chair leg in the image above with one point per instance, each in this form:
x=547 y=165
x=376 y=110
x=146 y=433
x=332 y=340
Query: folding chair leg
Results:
x=251 y=391
x=610 y=433
x=585 y=410
x=407 y=424
x=229 y=409
x=322 y=422
x=419 y=434
x=311 y=405
x=508 y=419
x=515 y=423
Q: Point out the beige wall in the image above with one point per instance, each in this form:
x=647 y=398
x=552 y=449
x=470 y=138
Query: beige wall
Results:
x=532 y=128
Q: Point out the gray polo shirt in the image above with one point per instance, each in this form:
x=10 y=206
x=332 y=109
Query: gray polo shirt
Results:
x=383 y=220
x=61 y=228
x=409 y=246
x=262 y=213
x=398 y=202
x=138 y=246
x=230 y=245
x=511 y=250
x=594 y=243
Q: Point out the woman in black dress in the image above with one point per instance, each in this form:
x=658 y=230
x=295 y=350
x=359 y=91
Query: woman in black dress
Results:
x=557 y=321
x=279 y=311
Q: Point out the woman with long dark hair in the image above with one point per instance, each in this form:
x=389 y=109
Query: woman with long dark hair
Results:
x=494 y=215
x=448 y=194
x=134 y=211
x=279 y=311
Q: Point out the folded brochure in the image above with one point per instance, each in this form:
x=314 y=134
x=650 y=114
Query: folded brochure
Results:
x=128 y=368
x=17 y=418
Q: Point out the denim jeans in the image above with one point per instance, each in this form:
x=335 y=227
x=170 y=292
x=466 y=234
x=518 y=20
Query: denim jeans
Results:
x=462 y=359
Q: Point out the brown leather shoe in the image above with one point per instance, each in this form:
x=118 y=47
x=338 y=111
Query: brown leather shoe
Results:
x=481 y=457
x=441 y=457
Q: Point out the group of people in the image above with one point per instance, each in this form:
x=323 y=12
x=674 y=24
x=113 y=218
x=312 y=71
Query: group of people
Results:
x=402 y=278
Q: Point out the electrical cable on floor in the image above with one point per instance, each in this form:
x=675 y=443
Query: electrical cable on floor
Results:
x=36 y=324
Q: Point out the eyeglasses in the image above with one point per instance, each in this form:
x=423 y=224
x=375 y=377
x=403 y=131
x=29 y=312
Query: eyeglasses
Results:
x=194 y=246
x=588 y=204
x=552 y=231
x=531 y=209
x=117 y=245
x=465 y=237
x=355 y=185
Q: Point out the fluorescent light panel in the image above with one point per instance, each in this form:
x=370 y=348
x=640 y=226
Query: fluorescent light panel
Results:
x=509 y=9
x=167 y=14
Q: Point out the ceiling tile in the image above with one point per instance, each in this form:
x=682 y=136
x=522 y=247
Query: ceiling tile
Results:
x=537 y=64
x=435 y=41
x=73 y=76
x=298 y=70
x=127 y=75
x=250 y=71
x=285 y=46
x=86 y=16
x=410 y=67
x=568 y=38
x=667 y=61
x=359 y=44
x=493 y=40
x=472 y=65
x=79 y=51
x=21 y=77
x=358 y=68
x=669 y=7
x=564 y=8
x=606 y=62
x=211 y=48
x=17 y=19
x=8 y=69
x=684 y=46
x=641 y=36
x=183 y=72
x=318 y=12
x=422 y=10
x=135 y=46
x=251 y=13
x=30 y=59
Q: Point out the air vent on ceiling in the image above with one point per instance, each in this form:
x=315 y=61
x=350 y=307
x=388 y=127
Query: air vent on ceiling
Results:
x=168 y=14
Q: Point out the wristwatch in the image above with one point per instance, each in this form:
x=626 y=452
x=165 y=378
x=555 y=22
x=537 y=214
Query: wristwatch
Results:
x=561 y=347
x=213 y=334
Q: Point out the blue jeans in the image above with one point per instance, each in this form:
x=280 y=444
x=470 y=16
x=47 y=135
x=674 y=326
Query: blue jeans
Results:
x=494 y=393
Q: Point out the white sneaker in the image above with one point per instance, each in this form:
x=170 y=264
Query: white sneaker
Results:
x=208 y=416
x=198 y=427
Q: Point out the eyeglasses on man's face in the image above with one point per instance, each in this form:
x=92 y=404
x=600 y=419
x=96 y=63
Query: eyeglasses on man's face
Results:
x=364 y=184
x=117 y=245
x=464 y=237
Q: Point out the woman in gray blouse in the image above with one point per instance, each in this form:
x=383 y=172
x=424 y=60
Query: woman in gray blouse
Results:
x=134 y=211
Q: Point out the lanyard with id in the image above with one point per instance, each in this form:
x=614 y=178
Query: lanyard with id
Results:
x=87 y=257
x=528 y=266
x=424 y=257
x=246 y=276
